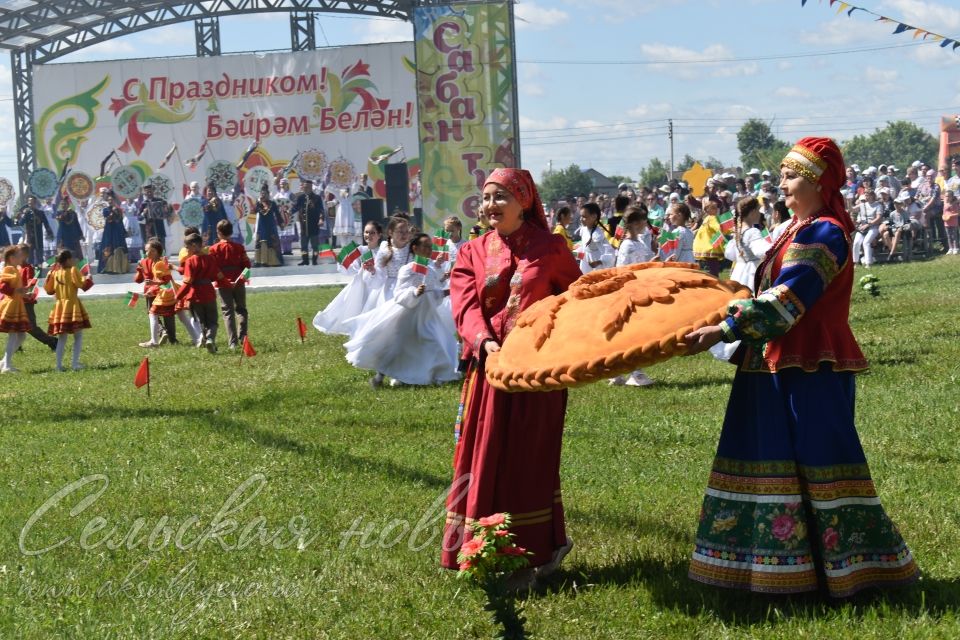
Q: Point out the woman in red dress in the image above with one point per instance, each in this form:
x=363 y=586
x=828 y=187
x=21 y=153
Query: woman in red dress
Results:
x=507 y=456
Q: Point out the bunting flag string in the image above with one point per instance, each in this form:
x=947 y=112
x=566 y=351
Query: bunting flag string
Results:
x=901 y=27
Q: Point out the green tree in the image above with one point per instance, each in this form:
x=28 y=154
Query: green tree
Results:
x=898 y=143
x=654 y=174
x=714 y=164
x=759 y=147
x=555 y=185
x=685 y=163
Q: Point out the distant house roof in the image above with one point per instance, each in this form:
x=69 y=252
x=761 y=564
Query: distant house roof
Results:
x=599 y=180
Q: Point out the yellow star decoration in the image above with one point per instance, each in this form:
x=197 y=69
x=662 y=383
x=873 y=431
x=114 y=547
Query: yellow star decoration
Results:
x=696 y=178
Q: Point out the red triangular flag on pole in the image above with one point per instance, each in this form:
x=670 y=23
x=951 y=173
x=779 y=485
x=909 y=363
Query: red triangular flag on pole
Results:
x=248 y=349
x=301 y=329
x=143 y=375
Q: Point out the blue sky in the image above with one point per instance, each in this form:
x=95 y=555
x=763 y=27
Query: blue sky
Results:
x=611 y=113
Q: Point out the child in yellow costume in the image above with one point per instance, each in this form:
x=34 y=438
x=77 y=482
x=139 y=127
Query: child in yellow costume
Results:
x=14 y=320
x=68 y=315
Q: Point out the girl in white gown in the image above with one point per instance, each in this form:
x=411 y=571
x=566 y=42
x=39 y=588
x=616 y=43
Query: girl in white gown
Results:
x=596 y=249
x=635 y=248
x=406 y=338
x=746 y=250
x=393 y=253
x=350 y=302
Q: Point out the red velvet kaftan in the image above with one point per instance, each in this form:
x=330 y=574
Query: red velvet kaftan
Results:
x=508 y=452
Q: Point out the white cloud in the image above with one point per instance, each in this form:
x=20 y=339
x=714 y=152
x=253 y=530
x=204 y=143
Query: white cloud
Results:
x=646 y=110
x=690 y=64
x=927 y=15
x=881 y=76
x=532 y=16
x=841 y=32
x=173 y=35
x=372 y=31
x=554 y=123
x=118 y=48
x=790 y=92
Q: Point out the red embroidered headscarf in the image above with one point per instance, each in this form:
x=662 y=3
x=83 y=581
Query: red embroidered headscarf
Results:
x=520 y=184
x=819 y=161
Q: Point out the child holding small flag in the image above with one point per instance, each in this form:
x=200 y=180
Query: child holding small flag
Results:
x=234 y=264
x=406 y=338
x=68 y=316
x=165 y=306
x=747 y=249
x=29 y=278
x=680 y=248
x=351 y=300
x=709 y=236
x=13 y=313
x=200 y=271
x=393 y=254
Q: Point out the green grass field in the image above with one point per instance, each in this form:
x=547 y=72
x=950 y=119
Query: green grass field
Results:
x=305 y=446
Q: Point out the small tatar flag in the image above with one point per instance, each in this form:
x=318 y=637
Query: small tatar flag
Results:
x=167 y=157
x=244 y=276
x=143 y=375
x=726 y=222
x=301 y=328
x=766 y=235
x=167 y=285
x=348 y=255
x=367 y=256
x=326 y=252
x=421 y=265
x=248 y=349
x=578 y=251
x=718 y=241
x=84 y=267
x=440 y=247
x=132 y=299
x=668 y=241
x=52 y=260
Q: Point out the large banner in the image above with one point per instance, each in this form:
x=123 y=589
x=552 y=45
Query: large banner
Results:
x=467 y=102
x=331 y=113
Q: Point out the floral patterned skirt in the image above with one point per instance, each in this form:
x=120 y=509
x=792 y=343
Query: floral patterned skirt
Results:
x=790 y=505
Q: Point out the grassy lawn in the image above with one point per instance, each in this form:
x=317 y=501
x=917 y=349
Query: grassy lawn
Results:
x=295 y=441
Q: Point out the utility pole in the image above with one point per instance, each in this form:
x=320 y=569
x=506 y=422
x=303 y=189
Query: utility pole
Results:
x=670 y=134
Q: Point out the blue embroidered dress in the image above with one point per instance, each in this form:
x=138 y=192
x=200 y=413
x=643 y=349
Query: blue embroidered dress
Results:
x=790 y=505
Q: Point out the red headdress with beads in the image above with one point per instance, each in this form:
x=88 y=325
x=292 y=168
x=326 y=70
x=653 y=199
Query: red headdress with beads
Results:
x=820 y=162
x=520 y=184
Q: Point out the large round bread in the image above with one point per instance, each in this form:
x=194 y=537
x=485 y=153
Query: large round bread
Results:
x=609 y=322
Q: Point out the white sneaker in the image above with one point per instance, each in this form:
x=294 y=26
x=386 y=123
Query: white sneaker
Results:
x=149 y=344
x=9 y=370
x=395 y=383
x=639 y=380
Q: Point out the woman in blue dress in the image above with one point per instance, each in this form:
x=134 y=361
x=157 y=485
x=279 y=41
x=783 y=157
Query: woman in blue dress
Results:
x=267 y=234
x=69 y=231
x=112 y=254
x=213 y=213
x=790 y=505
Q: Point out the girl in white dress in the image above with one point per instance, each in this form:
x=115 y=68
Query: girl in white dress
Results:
x=594 y=246
x=746 y=251
x=394 y=252
x=350 y=302
x=406 y=338
x=679 y=218
x=636 y=247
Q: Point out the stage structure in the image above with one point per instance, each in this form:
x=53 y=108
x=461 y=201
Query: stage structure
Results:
x=464 y=85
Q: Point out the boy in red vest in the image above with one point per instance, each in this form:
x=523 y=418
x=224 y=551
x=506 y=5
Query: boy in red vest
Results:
x=232 y=258
x=200 y=271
